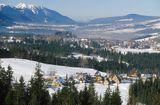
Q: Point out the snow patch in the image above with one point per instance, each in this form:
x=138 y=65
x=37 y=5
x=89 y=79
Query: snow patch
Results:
x=155 y=35
x=124 y=20
x=33 y=8
x=98 y=58
x=156 y=26
x=21 y=5
x=126 y=50
x=128 y=30
x=1 y=6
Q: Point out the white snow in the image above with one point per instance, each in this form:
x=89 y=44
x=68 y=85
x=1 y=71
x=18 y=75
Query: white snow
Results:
x=26 y=69
x=155 y=35
x=128 y=30
x=23 y=6
x=149 y=21
x=1 y=6
x=126 y=50
x=123 y=20
x=98 y=58
x=156 y=26
x=33 y=8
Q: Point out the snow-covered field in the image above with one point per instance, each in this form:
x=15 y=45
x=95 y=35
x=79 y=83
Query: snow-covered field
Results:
x=126 y=50
x=155 y=35
x=26 y=69
x=98 y=58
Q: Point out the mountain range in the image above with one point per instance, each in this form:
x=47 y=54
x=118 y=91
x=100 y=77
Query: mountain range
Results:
x=31 y=14
x=41 y=20
x=130 y=18
x=23 y=13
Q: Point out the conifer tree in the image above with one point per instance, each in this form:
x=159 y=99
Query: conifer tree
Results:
x=20 y=92
x=38 y=93
x=9 y=89
x=92 y=95
x=55 y=99
x=115 y=98
x=3 y=85
x=84 y=96
x=9 y=98
x=9 y=75
x=107 y=97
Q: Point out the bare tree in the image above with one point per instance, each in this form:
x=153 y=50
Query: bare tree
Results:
x=51 y=72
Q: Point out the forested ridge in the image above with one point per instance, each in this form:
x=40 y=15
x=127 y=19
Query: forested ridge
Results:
x=56 y=52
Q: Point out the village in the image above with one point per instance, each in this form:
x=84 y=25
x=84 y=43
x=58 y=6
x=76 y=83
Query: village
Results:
x=149 y=43
x=54 y=81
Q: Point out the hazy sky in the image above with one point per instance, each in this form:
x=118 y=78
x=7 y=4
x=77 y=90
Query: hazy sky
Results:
x=90 y=9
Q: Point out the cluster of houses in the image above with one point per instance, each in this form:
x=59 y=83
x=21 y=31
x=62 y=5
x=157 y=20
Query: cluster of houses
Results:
x=56 y=81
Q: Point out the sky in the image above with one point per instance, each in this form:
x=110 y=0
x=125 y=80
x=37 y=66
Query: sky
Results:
x=83 y=10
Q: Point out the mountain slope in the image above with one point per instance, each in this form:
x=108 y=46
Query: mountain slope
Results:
x=32 y=14
x=130 y=18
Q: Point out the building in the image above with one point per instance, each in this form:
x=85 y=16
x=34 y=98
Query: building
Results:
x=134 y=73
x=114 y=78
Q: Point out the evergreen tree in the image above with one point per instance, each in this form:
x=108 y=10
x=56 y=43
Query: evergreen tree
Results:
x=20 y=92
x=84 y=97
x=38 y=93
x=3 y=85
x=9 y=75
x=146 y=92
x=88 y=96
x=92 y=95
x=115 y=97
x=55 y=99
x=9 y=79
x=68 y=95
x=9 y=100
x=107 y=97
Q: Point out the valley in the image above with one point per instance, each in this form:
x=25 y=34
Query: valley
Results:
x=48 y=58
x=30 y=19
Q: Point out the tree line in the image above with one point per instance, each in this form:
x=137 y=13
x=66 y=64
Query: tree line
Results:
x=56 y=52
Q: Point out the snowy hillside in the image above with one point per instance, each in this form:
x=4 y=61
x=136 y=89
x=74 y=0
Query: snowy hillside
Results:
x=127 y=18
x=26 y=68
x=126 y=50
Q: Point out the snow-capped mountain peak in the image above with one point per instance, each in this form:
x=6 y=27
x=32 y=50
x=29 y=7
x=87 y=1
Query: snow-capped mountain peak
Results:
x=2 y=5
x=32 y=7
x=21 y=5
x=27 y=6
x=31 y=14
